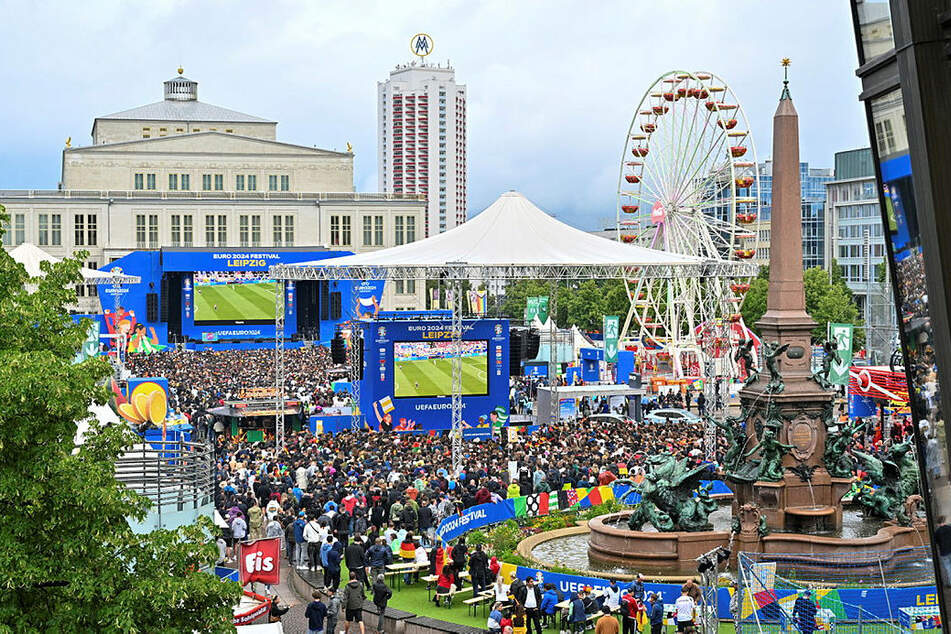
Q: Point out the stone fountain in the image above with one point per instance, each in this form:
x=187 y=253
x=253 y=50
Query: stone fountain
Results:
x=789 y=463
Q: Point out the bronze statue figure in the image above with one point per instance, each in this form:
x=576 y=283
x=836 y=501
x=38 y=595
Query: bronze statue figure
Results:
x=667 y=496
x=771 y=352
x=744 y=354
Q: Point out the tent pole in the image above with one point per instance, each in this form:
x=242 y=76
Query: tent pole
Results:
x=279 y=364
x=456 y=421
x=554 y=411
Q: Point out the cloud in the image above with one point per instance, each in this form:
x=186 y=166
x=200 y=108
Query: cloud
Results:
x=551 y=85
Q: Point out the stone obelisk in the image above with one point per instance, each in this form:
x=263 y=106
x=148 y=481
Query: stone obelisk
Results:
x=806 y=498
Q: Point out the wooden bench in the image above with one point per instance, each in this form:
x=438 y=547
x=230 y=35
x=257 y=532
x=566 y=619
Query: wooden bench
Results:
x=480 y=599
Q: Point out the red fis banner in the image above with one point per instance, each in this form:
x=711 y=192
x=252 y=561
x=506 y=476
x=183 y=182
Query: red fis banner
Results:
x=260 y=560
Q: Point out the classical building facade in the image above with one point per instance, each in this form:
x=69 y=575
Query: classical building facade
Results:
x=183 y=173
x=421 y=140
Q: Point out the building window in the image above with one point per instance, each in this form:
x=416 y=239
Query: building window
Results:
x=206 y=182
x=400 y=290
x=272 y=183
x=252 y=183
x=150 y=181
x=187 y=237
x=367 y=231
x=222 y=230
x=219 y=182
x=335 y=231
x=43 y=225
x=92 y=289
x=255 y=231
x=285 y=183
x=410 y=287
x=91 y=230
x=398 y=231
x=277 y=223
x=378 y=231
x=79 y=230
x=186 y=182
x=289 y=231
x=153 y=231
x=140 y=231
x=19 y=229
x=239 y=182
x=176 y=230
x=345 y=239
x=885 y=137
x=139 y=181
x=410 y=229
x=56 y=230
x=243 y=230
x=209 y=231
x=172 y=182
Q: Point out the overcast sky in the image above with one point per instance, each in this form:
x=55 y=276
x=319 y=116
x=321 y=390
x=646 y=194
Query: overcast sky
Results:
x=551 y=85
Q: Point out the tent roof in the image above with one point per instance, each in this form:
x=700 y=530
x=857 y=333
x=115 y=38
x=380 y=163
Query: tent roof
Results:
x=30 y=256
x=510 y=239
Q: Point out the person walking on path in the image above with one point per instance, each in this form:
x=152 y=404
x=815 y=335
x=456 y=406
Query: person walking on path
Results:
x=353 y=603
x=315 y=614
x=381 y=595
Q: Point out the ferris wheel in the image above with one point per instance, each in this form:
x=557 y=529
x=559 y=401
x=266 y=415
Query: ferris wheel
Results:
x=687 y=184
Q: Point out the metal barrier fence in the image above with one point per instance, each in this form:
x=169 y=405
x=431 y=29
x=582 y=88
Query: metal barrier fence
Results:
x=803 y=592
x=173 y=474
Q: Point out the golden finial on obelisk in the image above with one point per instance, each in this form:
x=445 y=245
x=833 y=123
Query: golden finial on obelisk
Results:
x=349 y=147
x=69 y=141
x=181 y=70
x=786 y=62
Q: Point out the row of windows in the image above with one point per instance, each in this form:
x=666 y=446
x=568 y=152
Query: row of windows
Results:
x=49 y=230
x=858 y=231
x=341 y=230
x=182 y=230
x=212 y=182
x=91 y=290
x=858 y=250
x=147 y=131
x=858 y=211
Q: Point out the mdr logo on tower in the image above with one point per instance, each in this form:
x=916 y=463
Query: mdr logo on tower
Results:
x=260 y=561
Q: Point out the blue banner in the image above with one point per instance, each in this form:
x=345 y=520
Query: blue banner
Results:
x=475 y=517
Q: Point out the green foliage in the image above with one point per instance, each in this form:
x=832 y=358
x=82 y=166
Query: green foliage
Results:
x=69 y=560
x=505 y=537
x=826 y=301
x=611 y=506
x=476 y=537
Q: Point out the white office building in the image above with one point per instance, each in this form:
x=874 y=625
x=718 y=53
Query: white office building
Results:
x=184 y=173
x=421 y=140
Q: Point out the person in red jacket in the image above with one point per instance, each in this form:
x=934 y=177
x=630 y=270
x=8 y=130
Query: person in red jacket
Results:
x=447 y=578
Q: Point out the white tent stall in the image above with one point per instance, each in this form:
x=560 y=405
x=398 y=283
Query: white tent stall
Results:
x=511 y=239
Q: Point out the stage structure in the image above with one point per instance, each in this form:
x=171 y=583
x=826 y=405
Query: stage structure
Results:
x=512 y=239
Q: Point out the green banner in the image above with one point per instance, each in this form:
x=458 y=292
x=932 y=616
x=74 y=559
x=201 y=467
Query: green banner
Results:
x=611 y=330
x=543 y=309
x=841 y=336
x=531 y=308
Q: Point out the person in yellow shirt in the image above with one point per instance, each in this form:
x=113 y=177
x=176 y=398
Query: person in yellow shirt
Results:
x=513 y=491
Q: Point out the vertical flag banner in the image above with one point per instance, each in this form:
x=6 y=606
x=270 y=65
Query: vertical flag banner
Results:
x=842 y=336
x=260 y=560
x=477 y=302
x=612 y=330
x=531 y=308
x=543 y=309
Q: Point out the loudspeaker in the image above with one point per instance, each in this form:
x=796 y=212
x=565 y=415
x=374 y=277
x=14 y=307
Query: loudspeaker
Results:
x=516 y=350
x=151 y=307
x=533 y=340
x=338 y=350
x=163 y=305
x=634 y=380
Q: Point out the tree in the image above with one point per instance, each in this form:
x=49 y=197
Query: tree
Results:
x=69 y=560
x=754 y=302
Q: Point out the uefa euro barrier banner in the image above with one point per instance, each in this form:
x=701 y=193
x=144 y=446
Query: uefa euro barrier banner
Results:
x=260 y=560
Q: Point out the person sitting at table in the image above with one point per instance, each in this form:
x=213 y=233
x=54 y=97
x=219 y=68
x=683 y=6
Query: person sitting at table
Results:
x=493 y=624
x=446 y=583
x=500 y=590
x=549 y=601
x=577 y=616
x=407 y=555
x=422 y=561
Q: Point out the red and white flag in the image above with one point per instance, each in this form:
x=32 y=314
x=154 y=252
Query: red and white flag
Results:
x=260 y=560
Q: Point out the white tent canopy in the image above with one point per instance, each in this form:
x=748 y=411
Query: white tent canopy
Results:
x=510 y=239
x=30 y=256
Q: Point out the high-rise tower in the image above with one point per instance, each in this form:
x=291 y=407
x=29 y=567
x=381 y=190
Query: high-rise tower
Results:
x=421 y=140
